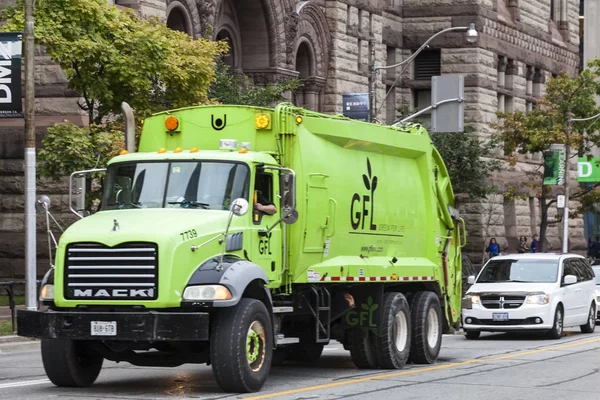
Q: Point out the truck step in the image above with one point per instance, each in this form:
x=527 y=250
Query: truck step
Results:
x=280 y=310
x=282 y=340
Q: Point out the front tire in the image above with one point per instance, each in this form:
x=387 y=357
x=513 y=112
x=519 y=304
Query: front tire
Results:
x=557 y=329
x=392 y=348
x=70 y=363
x=426 y=320
x=590 y=326
x=241 y=347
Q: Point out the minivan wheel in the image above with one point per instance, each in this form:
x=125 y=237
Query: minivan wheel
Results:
x=557 y=329
x=591 y=323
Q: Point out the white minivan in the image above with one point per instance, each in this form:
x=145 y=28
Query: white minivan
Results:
x=526 y=292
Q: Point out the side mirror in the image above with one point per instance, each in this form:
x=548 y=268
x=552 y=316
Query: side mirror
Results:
x=570 y=279
x=290 y=217
x=471 y=280
x=287 y=187
x=239 y=207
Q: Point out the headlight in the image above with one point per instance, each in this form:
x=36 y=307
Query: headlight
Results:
x=206 y=293
x=538 y=299
x=47 y=292
x=469 y=300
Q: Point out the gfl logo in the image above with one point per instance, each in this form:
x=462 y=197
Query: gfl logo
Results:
x=362 y=206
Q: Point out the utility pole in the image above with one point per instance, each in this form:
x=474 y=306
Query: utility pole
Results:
x=30 y=215
x=565 y=248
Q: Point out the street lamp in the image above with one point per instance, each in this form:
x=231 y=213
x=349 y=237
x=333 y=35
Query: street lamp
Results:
x=470 y=34
x=570 y=120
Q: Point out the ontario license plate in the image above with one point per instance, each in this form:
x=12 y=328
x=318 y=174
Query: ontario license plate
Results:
x=503 y=316
x=104 y=328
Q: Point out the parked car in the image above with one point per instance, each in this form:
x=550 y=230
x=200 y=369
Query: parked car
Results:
x=527 y=292
x=596 y=269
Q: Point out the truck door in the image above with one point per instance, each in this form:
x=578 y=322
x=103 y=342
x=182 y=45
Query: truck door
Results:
x=317 y=214
x=268 y=248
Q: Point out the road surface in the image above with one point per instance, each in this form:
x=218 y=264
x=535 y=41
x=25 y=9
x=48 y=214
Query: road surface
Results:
x=495 y=367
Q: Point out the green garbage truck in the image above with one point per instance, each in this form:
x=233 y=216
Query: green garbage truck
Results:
x=244 y=237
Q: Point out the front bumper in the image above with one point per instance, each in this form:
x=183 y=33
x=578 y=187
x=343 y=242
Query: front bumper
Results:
x=526 y=317
x=130 y=326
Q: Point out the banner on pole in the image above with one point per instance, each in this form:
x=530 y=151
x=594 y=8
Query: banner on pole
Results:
x=554 y=165
x=11 y=44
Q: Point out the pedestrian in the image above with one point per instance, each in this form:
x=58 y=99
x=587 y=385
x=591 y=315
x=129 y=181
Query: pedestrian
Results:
x=535 y=243
x=493 y=249
x=523 y=248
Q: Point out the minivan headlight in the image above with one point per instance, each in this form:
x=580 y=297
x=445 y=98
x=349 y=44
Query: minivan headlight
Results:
x=469 y=300
x=538 y=298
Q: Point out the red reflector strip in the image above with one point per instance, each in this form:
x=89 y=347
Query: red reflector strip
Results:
x=376 y=278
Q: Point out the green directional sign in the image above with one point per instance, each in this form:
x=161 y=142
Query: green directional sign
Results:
x=588 y=170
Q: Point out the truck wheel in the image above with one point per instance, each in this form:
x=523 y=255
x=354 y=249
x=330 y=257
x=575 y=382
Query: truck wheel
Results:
x=70 y=363
x=393 y=347
x=361 y=350
x=241 y=347
x=426 y=321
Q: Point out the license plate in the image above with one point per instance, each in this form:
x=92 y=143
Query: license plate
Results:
x=500 y=316
x=104 y=328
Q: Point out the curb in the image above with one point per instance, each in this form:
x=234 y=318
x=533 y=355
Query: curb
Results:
x=14 y=339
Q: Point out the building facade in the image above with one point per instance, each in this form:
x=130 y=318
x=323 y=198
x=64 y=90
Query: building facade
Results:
x=330 y=46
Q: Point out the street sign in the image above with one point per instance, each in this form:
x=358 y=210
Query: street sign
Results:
x=10 y=75
x=356 y=106
x=554 y=165
x=588 y=170
x=560 y=201
x=447 y=117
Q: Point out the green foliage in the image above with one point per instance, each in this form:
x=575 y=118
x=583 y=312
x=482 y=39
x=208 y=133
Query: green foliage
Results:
x=466 y=158
x=6 y=328
x=110 y=55
x=68 y=147
x=231 y=87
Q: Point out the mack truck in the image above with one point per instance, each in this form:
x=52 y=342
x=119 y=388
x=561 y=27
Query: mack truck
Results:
x=243 y=237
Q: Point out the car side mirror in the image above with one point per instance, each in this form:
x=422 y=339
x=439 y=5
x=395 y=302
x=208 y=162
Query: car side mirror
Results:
x=471 y=280
x=570 y=279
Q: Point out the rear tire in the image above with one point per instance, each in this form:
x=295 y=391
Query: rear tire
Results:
x=241 y=347
x=590 y=326
x=557 y=329
x=426 y=321
x=392 y=348
x=70 y=363
x=472 y=335
x=361 y=350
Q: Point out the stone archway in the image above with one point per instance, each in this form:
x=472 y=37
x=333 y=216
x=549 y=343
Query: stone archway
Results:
x=232 y=58
x=179 y=18
x=308 y=53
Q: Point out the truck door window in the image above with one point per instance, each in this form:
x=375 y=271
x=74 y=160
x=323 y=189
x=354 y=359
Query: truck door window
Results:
x=263 y=192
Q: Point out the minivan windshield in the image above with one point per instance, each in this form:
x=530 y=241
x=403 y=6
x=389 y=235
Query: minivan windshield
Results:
x=209 y=185
x=508 y=270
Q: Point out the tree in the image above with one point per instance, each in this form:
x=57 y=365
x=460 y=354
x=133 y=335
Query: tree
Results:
x=232 y=87
x=467 y=160
x=536 y=131
x=110 y=55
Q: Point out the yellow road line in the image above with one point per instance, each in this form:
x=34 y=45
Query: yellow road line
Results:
x=419 y=371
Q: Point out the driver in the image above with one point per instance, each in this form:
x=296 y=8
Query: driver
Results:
x=262 y=204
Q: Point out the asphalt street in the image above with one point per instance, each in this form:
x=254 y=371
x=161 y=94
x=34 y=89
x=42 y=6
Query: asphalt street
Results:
x=495 y=367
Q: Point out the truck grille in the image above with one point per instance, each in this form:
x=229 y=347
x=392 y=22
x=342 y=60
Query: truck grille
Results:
x=497 y=301
x=128 y=271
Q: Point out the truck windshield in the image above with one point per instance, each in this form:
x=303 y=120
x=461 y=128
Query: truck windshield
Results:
x=208 y=185
x=538 y=271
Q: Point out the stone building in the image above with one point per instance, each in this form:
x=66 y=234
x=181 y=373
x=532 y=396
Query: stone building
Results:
x=329 y=45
